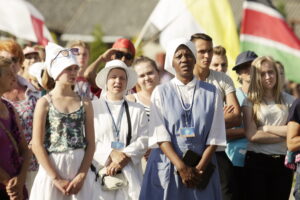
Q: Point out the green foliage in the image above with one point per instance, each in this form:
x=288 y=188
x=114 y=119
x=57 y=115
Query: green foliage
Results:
x=280 y=5
x=97 y=47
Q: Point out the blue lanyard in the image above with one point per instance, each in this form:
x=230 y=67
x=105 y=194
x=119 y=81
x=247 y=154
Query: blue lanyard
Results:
x=116 y=127
x=187 y=110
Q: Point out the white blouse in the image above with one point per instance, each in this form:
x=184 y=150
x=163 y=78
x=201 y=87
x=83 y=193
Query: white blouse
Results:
x=104 y=130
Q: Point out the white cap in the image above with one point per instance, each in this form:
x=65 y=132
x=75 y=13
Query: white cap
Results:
x=36 y=69
x=56 y=66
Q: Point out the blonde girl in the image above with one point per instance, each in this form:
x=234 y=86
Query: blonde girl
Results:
x=265 y=116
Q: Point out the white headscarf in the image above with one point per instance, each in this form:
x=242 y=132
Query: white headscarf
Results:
x=172 y=47
x=36 y=70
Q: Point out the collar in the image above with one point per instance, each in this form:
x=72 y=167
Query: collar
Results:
x=192 y=83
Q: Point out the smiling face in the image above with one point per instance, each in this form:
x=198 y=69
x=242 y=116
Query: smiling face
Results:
x=183 y=63
x=148 y=77
x=116 y=82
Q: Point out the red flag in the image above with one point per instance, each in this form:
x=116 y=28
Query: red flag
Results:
x=266 y=32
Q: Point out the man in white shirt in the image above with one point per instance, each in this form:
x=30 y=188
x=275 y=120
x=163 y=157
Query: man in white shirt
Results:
x=204 y=47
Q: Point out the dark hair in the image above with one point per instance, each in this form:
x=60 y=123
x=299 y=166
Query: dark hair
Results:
x=144 y=59
x=201 y=36
x=47 y=81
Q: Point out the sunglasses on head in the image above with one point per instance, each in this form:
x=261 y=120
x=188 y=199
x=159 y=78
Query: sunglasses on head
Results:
x=66 y=53
x=120 y=54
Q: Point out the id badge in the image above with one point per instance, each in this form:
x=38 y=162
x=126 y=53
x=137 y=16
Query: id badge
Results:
x=187 y=132
x=117 y=145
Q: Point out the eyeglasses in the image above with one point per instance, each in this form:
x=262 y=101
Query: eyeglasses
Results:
x=66 y=53
x=120 y=54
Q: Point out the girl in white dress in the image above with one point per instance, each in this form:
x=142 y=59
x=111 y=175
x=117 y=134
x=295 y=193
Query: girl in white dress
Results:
x=121 y=130
x=63 y=133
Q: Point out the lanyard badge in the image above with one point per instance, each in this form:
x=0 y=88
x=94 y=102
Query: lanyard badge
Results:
x=116 y=128
x=117 y=145
x=188 y=130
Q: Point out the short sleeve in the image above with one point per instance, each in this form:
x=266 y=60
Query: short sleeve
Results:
x=228 y=85
x=157 y=130
x=294 y=114
x=217 y=134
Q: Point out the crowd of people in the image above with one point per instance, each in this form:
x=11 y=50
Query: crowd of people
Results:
x=128 y=128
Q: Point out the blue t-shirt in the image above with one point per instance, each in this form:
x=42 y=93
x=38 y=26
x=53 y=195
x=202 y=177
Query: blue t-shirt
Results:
x=236 y=149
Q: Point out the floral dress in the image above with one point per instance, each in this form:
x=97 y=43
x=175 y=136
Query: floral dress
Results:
x=64 y=131
x=25 y=110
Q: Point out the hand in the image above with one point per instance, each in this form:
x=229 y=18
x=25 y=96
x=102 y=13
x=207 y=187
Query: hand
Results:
x=119 y=158
x=264 y=128
x=228 y=109
x=30 y=145
x=107 y=55
x=61 y=185
x=189 y=176
x=113 y=168
x=14 y=188
x=76 y=184
x=147 y=154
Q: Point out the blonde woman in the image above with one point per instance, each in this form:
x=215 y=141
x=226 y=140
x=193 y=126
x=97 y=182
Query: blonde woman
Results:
x=148 y=79
x=265 y=116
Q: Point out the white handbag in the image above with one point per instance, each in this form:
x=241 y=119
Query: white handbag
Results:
x=112 y=182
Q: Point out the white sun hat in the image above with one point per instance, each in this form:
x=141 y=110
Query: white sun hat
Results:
x=56 y=62
x=171 y=49
x=36 y=70
x=101 y=77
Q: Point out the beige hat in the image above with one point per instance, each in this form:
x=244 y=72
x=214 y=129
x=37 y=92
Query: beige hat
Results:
x=36 y=70
x=56 y=62
x=101 y=77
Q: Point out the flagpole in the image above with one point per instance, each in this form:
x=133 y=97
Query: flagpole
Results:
x=142 y=33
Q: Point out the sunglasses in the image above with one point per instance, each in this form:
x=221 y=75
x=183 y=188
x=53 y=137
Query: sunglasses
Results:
x=120 y=54
x=66 y=53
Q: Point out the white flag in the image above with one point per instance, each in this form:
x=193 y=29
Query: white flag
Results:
x=23 y=20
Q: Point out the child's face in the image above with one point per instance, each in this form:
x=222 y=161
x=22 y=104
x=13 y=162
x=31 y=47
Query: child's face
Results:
x=69 y=75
